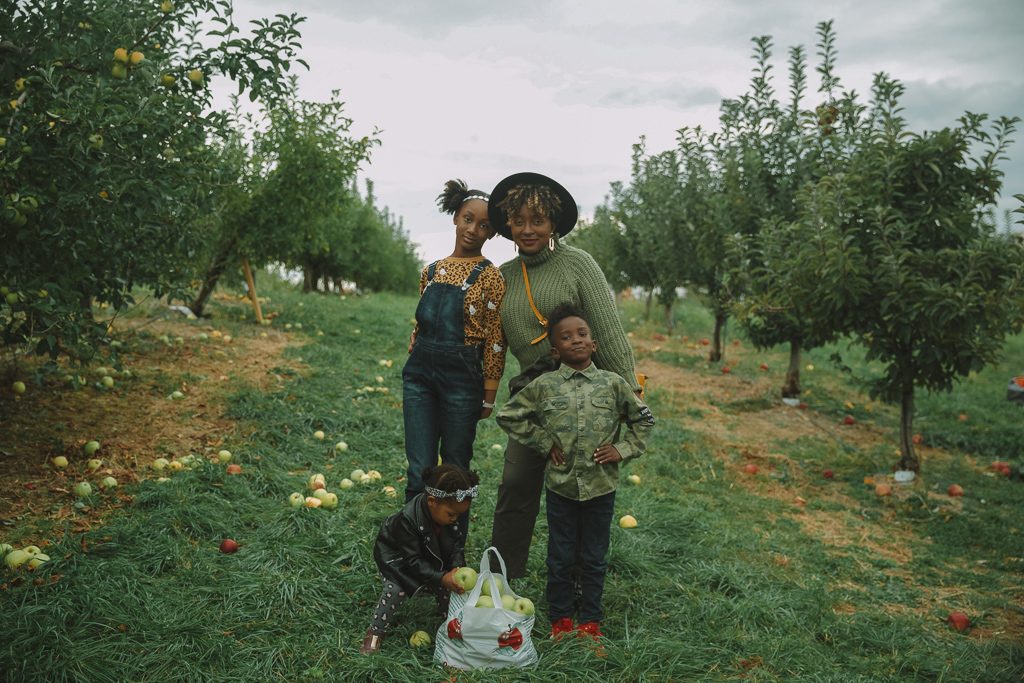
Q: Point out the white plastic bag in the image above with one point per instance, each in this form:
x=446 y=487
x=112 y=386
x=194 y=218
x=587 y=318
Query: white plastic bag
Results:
x=485 y=637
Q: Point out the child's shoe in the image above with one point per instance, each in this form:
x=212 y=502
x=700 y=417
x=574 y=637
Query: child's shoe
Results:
x=591 y=629
x=560 y=627
x=371 y=642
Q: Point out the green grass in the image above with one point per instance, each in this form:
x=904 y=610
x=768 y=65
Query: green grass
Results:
x=717 y=583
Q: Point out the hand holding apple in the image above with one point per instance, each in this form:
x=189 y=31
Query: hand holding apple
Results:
x=448 y=581
x=465 y=577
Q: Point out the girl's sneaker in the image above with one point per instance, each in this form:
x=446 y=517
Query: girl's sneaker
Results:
x=591 y=629
x=560 y=627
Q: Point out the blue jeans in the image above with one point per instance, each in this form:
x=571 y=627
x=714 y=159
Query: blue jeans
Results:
x=442 y=391
x=586 y=524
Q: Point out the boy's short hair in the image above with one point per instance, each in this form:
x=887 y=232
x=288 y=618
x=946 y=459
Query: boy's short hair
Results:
x=560 y=313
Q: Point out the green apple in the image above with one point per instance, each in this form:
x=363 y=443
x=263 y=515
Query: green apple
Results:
x=318 y=435
x=167 y=80
x=419 y=639
x=16 y=558
x=330 y=500
x=121 y=55
x=374 y=475
x=465 y=577
x=38 y=561
x=508 y=602
x=83 y=489
x=107 y=381
x=485 y=601
x=32 y=550
x=366 y=480
x=224 y=456
x=96 y=141
x=94 y=464
x=159 y=464
x=60 y=462
x=524 y=606
x=357 y=475
x=91 y=447
x=346 y=484
x=634 y=479
x=196 y=77
x=486 y=588
x=321 y=494
x=340 y=447
x=176 y=396
x=18 y=387
x=296 y=500
x=119 y=71
x=167 y=6
x=108 y=483
x=5 y=548
x=169 y=154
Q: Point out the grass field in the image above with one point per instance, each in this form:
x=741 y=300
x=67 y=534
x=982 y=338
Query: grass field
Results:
x=780 y=575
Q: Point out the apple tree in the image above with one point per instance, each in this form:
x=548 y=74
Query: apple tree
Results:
x=938 y=288
x=105 y=166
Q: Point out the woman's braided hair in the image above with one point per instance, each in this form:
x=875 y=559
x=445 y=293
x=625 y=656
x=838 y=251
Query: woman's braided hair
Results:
x=540 y=199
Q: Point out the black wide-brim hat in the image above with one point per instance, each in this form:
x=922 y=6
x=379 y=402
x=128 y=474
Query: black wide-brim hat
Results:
x=567 y=213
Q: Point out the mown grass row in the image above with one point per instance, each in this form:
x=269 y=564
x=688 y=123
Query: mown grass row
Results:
x=717 y=583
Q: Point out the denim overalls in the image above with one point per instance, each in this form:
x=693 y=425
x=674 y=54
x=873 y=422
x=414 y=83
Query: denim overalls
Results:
x=442 y=382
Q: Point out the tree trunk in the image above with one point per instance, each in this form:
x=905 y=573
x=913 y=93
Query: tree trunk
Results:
x=337 y=286
x=717 y=352
x=213 y=273
x=791 y=386
x=670 y=323
x=647 y=305
x=908 y=459
x=250 y=280
x=308 y=279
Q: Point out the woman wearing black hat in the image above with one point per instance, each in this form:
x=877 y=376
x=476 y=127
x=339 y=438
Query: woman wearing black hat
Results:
x=534 y=211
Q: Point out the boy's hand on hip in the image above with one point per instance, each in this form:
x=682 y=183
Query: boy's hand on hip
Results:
x=556 y=455
x=607 y=454
x=486 y=413
x=448 y=581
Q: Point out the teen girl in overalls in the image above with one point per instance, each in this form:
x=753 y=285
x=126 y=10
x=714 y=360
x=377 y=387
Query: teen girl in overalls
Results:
x=457 y=351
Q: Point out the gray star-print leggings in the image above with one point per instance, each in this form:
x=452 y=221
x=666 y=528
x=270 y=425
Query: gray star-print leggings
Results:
x=392 y=596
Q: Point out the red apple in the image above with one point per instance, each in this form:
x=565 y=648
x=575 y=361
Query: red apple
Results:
x=764 y=366
x=704 y=342
x=955 y=490
x=751 y=468
x=234 y=468
x=959 y=621
x=848 y=420
x=726 y=369
x=828 y=474
x=228 y=546
x=883 y=490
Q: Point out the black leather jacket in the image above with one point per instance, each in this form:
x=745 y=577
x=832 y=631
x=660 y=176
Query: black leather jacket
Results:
x=409 y=553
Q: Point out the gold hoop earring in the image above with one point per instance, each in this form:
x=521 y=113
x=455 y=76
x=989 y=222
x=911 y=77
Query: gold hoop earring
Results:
x=551 y=243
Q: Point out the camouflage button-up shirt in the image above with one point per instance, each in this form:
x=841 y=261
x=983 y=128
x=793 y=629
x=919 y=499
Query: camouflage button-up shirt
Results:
x=578 y=410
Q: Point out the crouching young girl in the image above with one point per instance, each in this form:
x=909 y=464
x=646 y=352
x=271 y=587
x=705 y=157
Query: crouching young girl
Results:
x=419 y=547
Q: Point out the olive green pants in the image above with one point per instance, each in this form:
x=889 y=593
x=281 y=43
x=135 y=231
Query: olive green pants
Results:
x=515 y=514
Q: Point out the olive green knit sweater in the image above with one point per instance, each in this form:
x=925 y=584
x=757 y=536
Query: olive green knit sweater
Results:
x=565 y=275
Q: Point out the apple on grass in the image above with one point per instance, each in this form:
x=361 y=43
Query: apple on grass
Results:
x=955 y=490
x=234 y=469
x=465 y=577
x=18 y=387
x=91 y=447
x=4 y=549
x=108 y=483
x=60 y=462
x=224 y=456
x=320 y=493
x=329 y=501
x=159 y=464
x=228 y=546
x=83 y=489
x=340 y=447
x=419 y=639
x=319 y=435
x=751 y=468
x=959 y=621
x=312 y=502
x=628 y=522
x=296 y=500
x=346 y=484
x=15 y=558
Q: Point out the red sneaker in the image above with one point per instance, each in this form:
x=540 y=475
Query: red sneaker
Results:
x=591 y=629
x=560 y=627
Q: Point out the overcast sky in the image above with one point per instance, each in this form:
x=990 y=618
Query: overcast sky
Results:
x=478 y=90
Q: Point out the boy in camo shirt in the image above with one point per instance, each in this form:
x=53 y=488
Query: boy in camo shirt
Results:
x=588 y=421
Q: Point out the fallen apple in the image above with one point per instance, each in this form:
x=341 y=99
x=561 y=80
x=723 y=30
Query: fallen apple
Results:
x=340 y=447
x=32 y=550
x=764 y=366
x=751 y=468
x=318 y=435
x=108 y=483
x=356 y=475
x=726 y=369
x=366 y=480
x=228 y=546
x=60 y=462
x=321 y=494
x=83 y=489
x=390 y=491
x=883 y=490
x=848 y=420
x=296 y=500
x=628 y=522
x=330 y=500
x=18 y=387
x=959 y=621
x=224 y=456
x=374 y=475
x=312 y=502
x=37 y=561
x=176 y=395
x=4 y=549
x=346 y=483
x=828 y=474
x=234 y=468
x=107 y=381
x=524 y=606
x=419 y=639
x=485 y=601
x=175 y=466
x=955 y=490
x=465 y=577
x=16 y=558
x=634 y=479
x=91 y=447
x=159 y=464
